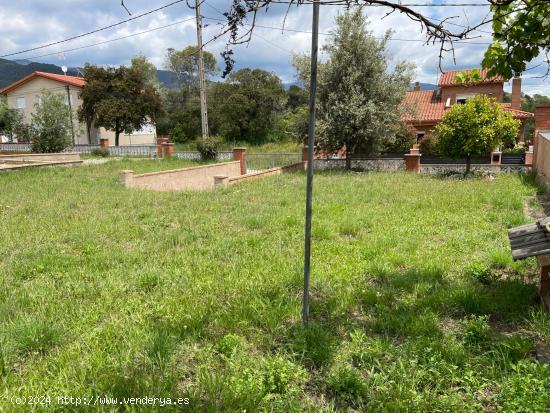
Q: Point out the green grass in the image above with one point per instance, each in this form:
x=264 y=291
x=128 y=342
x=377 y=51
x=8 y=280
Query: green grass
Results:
x=416 y=306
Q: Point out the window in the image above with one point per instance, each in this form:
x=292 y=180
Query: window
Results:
x=21 y=102
x=420 y=135
x=461 y=99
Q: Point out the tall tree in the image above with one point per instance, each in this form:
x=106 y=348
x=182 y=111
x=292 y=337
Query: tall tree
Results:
x=50 y=124
x=10 y=120
x=185 y=65
x=147 y=69
x=247 y=105
x=118 y=99
x=359 y=102
x=475 y=129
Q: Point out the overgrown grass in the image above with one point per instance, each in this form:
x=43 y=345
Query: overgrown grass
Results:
x=415 y=304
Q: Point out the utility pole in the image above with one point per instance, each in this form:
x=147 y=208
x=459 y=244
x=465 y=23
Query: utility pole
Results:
x=202 y=81
x=310 y=144
x=70 y=111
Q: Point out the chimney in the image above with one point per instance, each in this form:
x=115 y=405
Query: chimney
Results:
x=542 y=118
x=416 y=86
x=516 y=93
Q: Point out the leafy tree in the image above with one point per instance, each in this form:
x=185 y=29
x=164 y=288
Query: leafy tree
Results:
x=11 y=120
x=521 y=31
x=528 y=104
x=297 y=96
x=118 y=99
x=247 y=106
x=147 y=70
x=50 y=124
x=359 y=101
x=185 y=64
x=475 y=129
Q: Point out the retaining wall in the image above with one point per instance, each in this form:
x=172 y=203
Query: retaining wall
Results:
x=198 y=178
x=262 y=174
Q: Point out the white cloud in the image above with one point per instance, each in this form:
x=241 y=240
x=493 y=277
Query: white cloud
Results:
x=35 y=22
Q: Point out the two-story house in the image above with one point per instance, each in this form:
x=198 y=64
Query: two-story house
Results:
x=425 y=108
x=26 y=93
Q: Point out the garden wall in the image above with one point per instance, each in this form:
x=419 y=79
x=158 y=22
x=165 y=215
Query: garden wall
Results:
x=198 y=178
x=367 y=164
x=262 y=174
x=41 y=157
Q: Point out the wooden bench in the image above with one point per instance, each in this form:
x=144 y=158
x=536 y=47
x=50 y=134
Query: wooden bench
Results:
x=533 y=240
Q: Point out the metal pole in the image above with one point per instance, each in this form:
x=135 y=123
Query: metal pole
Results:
x=70 y=111
x=310 y=144
x=202 y=81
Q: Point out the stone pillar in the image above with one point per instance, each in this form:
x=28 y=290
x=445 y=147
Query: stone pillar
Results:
x=529 y=156
x=496 y=158
x=160 y=146
x=104 y=143
x=239 y=154
x=221 y=181
x=168 y=149
x=412 y=160
x=304 y=154
x=126 y=178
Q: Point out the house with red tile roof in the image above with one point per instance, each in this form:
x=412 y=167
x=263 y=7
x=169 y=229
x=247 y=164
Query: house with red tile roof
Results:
x=425 y=108
x=26 y=93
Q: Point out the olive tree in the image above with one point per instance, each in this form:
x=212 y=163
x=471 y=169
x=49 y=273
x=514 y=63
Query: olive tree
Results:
x=475 y=129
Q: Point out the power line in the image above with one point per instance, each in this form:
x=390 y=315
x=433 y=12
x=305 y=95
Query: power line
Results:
x=94 y=31
x=111 y=40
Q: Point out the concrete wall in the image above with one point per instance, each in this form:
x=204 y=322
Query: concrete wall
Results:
x=300 y=166
x=41 y=157
x=199 y=178
x=494 y=89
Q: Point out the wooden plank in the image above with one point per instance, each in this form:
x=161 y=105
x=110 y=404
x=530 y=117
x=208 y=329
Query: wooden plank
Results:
x=523 y=230
x=544 y=260
x=531 y=251
x=529 y=240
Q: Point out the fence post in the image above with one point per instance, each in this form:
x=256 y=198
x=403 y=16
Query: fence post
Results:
x=168 y=149
x=412 y=160
x=239 y=154
x=529 y=156
x=104 y=143
x=160 y=146
x=126 y=178
x=304 y=154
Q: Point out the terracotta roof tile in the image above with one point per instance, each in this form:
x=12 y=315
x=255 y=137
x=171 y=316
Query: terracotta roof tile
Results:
x=518 y=114
x=69 y=80
x=448 y=78
x=423 y=106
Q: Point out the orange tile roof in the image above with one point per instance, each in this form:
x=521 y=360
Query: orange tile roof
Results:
x=423 y=106
x=448 y=78
x=69 y=80
x=518 y=114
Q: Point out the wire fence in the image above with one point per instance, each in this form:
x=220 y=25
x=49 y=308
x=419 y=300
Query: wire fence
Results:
x=145 y=151
x=262 y=161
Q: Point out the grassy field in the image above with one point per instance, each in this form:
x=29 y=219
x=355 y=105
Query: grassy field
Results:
x=416 y=304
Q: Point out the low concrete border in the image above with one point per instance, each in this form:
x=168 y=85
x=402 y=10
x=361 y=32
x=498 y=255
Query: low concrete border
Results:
x=41 y=157
x=300 y=166
x=14 y=165
x=195 y=178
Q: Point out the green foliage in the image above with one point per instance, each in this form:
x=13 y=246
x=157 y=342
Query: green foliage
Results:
x=297 y=97
x=185 y=64
x=359 y=99
x=520 y=34
x=101 y=152
x=118 y=99
x=429 y=145
x=468 y=76
x=293 y=125
x=476 y=330
x=403 y=140
x=246 y=106
x=528 y=104
x=208 y=148
x=178 y=135
x=50 y=124
x=11 y=120
x=475 y=129
x=147 y=69
x=480 y=272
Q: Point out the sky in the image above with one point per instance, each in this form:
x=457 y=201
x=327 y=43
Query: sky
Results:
x=31 y=23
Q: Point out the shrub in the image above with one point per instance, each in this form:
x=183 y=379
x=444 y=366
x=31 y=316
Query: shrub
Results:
x=208 y=148
x=101 y=152
x=50 y=125
x=403 y=141
x=428 y=145
x=178 y=135
x=481 y=273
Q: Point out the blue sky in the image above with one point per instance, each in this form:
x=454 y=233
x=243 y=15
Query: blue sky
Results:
x=29 y=23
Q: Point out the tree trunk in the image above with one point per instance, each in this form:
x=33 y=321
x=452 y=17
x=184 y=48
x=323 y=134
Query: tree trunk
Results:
x=348 y=161
x=117 y=136
x=468 y=161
